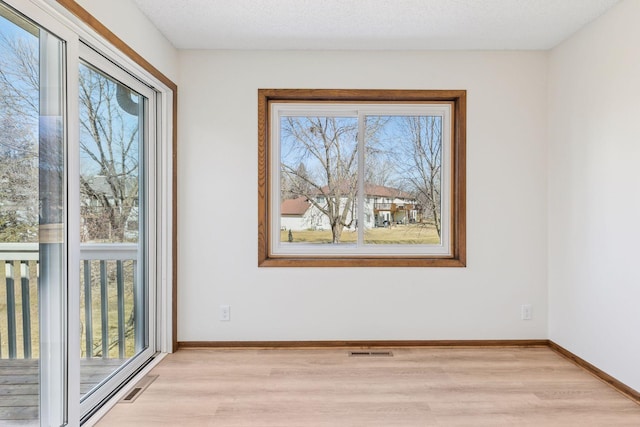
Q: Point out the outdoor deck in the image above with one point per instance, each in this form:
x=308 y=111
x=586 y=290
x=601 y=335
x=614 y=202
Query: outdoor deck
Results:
x=111 y=321
x=19 y=388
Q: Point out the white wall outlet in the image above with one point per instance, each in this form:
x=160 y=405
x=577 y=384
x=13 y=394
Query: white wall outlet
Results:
x=527 y=311
x=225 y=313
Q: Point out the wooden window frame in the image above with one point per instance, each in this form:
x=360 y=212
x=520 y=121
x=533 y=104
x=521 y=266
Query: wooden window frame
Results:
x=457 y=98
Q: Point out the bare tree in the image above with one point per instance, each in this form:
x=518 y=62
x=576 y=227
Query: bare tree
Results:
x=18 y=140
x=19 y=76
x=109 y=156
x=380 y=170
x=294 y=185
x=320 y=162
x=328 y=145
x=108 y=142
x=419 y=160
x=18 y=182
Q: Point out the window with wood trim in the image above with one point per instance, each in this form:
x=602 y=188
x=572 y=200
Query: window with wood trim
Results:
x=361 y=177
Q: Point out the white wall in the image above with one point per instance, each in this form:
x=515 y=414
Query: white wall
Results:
x=127 y=22
x=507 y=222
x=593 y=196
x=594 y=193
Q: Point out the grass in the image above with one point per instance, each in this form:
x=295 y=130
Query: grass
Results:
x=412 y=234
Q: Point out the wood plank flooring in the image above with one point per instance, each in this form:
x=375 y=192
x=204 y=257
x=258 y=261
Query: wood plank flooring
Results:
x=415 y=387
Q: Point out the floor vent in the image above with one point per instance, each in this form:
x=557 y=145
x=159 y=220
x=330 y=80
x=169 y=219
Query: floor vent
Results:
x=370 y=354
x=138 y=389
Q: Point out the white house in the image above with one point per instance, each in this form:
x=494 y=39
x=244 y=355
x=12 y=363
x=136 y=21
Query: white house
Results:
x=389 y=206
x=383 y=206
x=292 y=214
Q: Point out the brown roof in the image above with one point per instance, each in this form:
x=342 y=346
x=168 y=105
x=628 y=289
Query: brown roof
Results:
x=379 y=190
x=376 y=190
x=296 y=206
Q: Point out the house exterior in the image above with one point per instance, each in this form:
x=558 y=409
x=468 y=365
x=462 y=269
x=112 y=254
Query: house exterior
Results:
x=389 y=206
x=383 y=206
x=292 y=214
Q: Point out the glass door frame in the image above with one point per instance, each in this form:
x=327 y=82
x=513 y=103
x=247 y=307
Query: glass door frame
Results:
x=59 y=377
x=147 y=200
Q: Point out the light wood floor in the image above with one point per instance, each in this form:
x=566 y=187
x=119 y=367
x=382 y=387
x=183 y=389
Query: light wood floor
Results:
x=415 y=387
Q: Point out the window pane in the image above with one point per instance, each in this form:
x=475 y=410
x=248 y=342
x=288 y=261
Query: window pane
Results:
x=32 y=223
x=318 y=179
x=19 y=114
x=109 y=158
x=403 y=180
x=113 y=304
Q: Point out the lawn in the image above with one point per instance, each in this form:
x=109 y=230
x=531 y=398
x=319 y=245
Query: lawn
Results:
x=412 y=234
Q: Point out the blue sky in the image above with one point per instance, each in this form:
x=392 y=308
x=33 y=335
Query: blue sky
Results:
x=390 y=142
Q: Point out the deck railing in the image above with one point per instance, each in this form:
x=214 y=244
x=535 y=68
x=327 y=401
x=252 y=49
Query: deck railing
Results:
x=110 y=299
x=382 y=206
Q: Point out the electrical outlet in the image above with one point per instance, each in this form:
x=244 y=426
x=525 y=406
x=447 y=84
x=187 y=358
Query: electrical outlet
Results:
x=225 y=313
x=527 y=311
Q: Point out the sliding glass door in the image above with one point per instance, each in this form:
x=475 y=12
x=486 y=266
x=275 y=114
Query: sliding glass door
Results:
x=78 y=228
x=116 y=317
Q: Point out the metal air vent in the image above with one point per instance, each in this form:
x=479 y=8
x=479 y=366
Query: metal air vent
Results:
x=370 y=354
x=137 y=390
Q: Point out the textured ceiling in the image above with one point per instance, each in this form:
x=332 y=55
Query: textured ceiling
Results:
x=370 y=24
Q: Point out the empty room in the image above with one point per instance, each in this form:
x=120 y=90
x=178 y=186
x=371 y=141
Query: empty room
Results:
x=319 y=212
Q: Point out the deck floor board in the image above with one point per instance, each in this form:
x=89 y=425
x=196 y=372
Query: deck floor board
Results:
x=19 y=385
